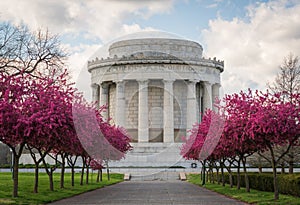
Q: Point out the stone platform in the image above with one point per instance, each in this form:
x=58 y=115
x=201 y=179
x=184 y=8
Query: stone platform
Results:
x=153 y=155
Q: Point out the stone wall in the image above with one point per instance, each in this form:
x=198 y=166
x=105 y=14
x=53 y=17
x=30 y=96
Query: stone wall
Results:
x=131 y=109
x=112 y=101
x=155 y=106
x=180 y=95
x=199 y=98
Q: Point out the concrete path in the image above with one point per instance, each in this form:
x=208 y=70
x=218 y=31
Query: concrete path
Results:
x=150 y=192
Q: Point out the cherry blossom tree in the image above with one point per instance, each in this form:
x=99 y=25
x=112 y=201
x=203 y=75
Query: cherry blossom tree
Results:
x=238 y=109
x=275 y=123
x=203 y=139
x=97 y=165
x=13 y=118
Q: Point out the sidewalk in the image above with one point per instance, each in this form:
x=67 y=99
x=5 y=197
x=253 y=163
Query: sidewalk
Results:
x=150 y=192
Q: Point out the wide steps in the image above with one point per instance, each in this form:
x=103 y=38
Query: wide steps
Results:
x=160 y=176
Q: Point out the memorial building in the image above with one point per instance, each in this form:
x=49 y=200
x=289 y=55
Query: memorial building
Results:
x=156 y=88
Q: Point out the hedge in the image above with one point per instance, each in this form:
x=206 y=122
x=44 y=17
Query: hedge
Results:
x=288 y=183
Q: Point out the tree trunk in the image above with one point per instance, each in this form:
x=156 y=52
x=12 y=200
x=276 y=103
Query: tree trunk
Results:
x=275 y=183
x=98 y=176
x=36 y=178
x=15 y=174
x=72 y=164
x=238 y=180
x=246 y=175
x=218 y=177
x=222 y=173
x=82 y=170
x=259 y=165
x=203 y=173
x=107 y=170
x=62 y=174
x=51 y=185
x=87 y=175
x=101 y=175
x=282 y=168
x=72 y=175
x=82 y=175
x=212 y=175
x=49 y=171
x=260 y=169
x=207 y=175
x=291 y=164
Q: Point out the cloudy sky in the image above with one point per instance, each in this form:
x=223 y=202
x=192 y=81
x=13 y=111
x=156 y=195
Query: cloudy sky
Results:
x=252 y=37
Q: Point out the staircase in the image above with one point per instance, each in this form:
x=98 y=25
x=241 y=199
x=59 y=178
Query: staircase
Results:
x=160 y=176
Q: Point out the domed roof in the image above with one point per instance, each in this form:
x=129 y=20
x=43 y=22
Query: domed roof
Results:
x=179 y=48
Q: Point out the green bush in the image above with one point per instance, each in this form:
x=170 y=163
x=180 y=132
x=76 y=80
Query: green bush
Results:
x=288 y=183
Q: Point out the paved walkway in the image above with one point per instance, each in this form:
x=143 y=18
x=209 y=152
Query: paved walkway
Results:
x=150 y=192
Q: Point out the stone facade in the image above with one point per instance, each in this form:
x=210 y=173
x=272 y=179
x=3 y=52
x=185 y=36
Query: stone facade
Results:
x=155 y=88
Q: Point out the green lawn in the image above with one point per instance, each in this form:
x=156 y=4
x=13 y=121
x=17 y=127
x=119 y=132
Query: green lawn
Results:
x=26 y=195
x=254 y=197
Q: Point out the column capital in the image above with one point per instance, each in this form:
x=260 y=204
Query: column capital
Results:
x=192 y=81
x=105 y=85
x=94 y=85
x=119 y=82
x=207 y=83
x=165 y=81
x=143 y=81
x=217 y=85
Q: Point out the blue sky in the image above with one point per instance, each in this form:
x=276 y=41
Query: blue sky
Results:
x=188 y=18
x=252 y=37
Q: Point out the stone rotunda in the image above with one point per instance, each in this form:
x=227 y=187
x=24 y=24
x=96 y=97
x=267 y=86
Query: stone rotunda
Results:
x=156 y=88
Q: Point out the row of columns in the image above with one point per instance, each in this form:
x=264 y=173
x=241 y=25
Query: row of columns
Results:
x=210 y=92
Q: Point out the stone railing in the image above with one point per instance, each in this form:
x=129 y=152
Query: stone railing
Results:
x=154 y=58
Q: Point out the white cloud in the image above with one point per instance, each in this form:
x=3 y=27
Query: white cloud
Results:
x=254 y=48
x=102 y=18
x=91 y=20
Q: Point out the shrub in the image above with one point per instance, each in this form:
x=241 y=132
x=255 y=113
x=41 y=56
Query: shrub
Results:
x=288 y=183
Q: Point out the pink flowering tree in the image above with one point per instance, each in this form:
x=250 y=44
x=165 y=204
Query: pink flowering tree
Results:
x=97 y=165
x=275 y=123
x=239 y=108
x=100 y=140
x=50 y=121
x=13 y=118
x=203 y=138
x=34 y=112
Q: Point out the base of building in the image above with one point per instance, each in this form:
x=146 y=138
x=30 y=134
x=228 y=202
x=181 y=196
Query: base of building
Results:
x=153 y=155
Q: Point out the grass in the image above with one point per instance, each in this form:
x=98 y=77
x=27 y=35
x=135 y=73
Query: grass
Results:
x=26 y=181
x=254 y=197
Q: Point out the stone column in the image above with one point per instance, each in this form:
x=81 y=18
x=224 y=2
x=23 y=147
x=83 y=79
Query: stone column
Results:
x=143 y=121
x=104 y=97
x=168 y=111
x=95 y=93
x=199 y=114
x=207 y=97
x=191 y=111
x=120 y=103
x=215 y=94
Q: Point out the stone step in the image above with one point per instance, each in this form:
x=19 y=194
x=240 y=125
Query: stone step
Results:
x=160 y=176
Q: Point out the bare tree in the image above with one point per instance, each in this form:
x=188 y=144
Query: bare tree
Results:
x=287 y=82
x=35 y=53
x=38 y=54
